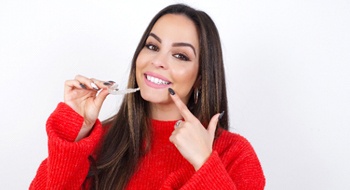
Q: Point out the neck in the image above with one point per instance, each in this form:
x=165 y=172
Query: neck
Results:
x=162 y=112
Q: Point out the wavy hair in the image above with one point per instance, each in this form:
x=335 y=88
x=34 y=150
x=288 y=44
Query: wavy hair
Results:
x=129 y=131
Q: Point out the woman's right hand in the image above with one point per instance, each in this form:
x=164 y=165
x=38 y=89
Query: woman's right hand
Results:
x=85 y=96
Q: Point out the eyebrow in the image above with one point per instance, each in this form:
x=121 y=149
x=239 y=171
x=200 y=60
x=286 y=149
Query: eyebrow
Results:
x=178 y=44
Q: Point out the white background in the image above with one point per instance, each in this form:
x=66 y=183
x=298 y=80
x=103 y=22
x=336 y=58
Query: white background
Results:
x=287 y=65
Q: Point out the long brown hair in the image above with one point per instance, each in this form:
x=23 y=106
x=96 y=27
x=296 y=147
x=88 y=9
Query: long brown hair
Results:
x=128 y=134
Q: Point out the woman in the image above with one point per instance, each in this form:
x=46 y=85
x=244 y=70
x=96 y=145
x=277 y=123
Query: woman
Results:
x=163 y=137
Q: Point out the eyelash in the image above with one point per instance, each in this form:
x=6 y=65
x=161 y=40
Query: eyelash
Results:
x=152 y=47
x=180 y=56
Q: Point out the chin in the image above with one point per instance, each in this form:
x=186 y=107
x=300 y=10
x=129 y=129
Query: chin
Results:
x=155 y=96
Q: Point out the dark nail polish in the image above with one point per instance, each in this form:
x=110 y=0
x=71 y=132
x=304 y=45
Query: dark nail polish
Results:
x=221 y=114
x=111 y=81
x=107 y=83
x=82 y=85
x=171 y=91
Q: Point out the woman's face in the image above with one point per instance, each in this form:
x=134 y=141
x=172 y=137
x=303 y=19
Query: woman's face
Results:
x=168 y=59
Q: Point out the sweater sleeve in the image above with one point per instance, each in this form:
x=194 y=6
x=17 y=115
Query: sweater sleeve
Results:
x=236 y=168
x=233 y=165
x=67 y=164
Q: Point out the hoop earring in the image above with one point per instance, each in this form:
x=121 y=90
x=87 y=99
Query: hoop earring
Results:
x=195 y=95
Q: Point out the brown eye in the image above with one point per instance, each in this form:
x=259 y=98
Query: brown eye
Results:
x=181 y=57
x=152 y=47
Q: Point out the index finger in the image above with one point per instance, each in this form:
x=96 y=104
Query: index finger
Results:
x=184 y=111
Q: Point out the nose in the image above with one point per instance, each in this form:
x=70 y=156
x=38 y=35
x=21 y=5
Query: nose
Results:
x=160 y=60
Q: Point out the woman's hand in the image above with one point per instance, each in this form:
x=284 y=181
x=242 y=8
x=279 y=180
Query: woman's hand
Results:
x=190 y=137
x=85 y=96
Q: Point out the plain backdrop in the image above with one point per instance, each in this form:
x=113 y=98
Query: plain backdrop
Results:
x=287 y=67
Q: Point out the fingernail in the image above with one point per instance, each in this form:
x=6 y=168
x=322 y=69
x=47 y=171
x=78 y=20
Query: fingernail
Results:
x=171 y=91
x=107 y=83
x=221 y=114
x=111 y=81
x=82 y=85
x=93 y=85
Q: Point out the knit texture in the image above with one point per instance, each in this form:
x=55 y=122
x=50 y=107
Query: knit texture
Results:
x=232 y=165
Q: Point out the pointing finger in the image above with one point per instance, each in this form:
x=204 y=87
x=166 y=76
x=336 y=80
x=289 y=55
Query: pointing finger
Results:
x=184 y=111
x=213 y=123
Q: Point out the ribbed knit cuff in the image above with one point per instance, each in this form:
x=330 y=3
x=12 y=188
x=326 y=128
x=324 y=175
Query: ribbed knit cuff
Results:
x=64 y=122
x=212 y=175
x=67 y=163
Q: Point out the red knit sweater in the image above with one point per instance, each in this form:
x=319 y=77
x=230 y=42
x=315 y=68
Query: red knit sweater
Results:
x=232 y=165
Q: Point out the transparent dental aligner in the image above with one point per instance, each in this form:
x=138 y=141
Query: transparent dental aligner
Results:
x=115 y=90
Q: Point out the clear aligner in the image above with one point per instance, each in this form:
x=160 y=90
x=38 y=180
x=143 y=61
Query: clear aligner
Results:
x=115 y=90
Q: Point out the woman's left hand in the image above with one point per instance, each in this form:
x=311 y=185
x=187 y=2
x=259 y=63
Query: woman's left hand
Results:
x=190 y=137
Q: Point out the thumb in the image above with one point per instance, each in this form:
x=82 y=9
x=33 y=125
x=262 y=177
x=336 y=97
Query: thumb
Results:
x=101 y=97
x=213 y=123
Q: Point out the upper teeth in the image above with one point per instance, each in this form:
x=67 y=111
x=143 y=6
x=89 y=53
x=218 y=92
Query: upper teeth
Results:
x=156 y=80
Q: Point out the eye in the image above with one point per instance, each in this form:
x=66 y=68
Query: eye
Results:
x=181 y=57
x=152 y=47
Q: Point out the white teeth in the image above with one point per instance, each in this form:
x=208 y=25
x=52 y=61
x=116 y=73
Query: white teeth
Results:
x=156 y=80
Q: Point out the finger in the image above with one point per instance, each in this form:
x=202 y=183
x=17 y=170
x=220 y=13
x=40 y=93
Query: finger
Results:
x=69 y=84
x=184 y=111
x=99 y=83
x=100 y=98
x=213 y=124
x=177 y=124
x=108 y=83
x=87 y=82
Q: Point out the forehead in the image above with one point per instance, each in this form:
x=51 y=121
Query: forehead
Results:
x=176 y=27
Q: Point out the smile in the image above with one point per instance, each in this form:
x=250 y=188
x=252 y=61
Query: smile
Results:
x=156 y=80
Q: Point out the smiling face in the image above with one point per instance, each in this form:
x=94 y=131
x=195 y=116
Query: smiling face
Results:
x=169 y=59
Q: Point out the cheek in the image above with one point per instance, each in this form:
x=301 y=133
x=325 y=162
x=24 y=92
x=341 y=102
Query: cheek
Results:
x=140 y=57
x=186 y=76
x=190 y=73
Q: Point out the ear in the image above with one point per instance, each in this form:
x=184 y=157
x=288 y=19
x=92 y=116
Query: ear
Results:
x=198 y=82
